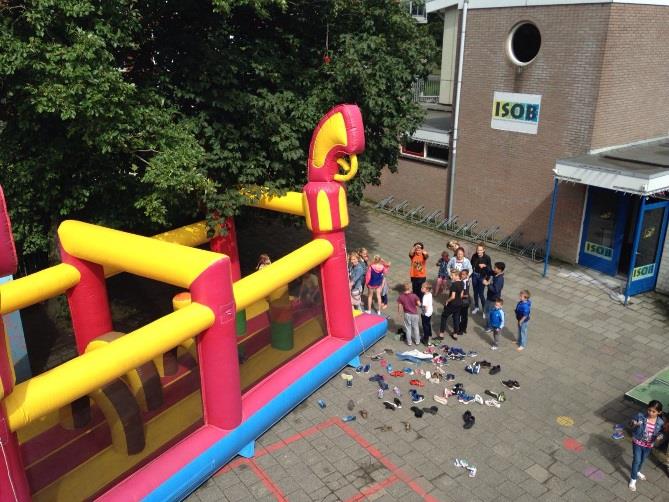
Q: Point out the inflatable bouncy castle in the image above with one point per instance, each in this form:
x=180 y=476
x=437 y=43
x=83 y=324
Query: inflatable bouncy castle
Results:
x=153 y=413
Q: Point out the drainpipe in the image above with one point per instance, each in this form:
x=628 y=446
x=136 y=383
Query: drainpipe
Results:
x=454 y=148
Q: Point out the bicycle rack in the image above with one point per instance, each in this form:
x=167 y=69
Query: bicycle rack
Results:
x=384 y=204
x=416 y=213
x=431 y=219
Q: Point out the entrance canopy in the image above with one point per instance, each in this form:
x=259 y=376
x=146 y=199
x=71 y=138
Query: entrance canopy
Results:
x=640 y=169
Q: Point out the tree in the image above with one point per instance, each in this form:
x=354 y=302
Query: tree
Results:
x=140 y=114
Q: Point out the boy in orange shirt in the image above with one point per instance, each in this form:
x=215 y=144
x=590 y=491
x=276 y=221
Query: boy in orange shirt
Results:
x=418 y=273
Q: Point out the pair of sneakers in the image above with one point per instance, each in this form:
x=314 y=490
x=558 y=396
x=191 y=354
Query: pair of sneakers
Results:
x=474 y=368
x=511 y=384
x=415 y=396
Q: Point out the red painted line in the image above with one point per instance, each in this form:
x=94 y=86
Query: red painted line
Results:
x=385 y=461
x=372 y=489
x=267 y=481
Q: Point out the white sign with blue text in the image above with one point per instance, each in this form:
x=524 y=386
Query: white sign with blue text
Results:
x=516 y=112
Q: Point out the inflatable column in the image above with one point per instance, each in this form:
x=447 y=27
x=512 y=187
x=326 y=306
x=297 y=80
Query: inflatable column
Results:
x=13 y=481
x=227 y=244
x=340 y=132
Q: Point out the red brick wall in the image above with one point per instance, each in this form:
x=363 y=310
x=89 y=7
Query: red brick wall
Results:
x=418 y=182
x=505 y=178
x=633 y=102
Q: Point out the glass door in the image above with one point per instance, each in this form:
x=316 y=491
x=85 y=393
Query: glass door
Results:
x=603 y=230
x=649 y=250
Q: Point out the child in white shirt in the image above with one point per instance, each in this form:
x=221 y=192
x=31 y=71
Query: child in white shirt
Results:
x=426 y=316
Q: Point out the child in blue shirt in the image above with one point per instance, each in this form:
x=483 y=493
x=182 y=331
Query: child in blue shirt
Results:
x=496 y=319
x=495 y=285
x=523 y=308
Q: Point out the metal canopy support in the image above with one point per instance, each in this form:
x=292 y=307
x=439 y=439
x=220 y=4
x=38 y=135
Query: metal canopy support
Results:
x=551 y=218
x=635 y=247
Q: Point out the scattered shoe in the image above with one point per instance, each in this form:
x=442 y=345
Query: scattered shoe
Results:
x=441 y=399
x=418 y=413
x=383 y=385
x=407 y=426
x=397 y=391
x=508 y=383
x=472 y=353
x=495 y=369
x=492 y=403
x=389 y=351
x=617 y=435
x=321 y=404
x=397 y=373
x=485 y=364
x=376 y=378
x=383 y=363
x=348 y=418
x=350 y=405
x=358 y=369
x=366 y=368
x=389 y=405
x=478 y=399
x=384 y=428
x=472 y=469
x=408 y=371
x=465 y=398
x=469 y=421
x=417 y=398
x=432 y=410
x=379 y=394
x=416 y=383
x=450 y=377
x=364 y=414
x=516 y=385
x=397 y=402
x=389 y=368
x=428 y=375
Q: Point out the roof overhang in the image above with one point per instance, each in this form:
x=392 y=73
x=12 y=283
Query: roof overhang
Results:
x=436 y=5
x=436 y=138
x=614 y=179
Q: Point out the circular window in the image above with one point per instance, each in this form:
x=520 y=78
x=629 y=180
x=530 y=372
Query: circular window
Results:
x=523 y=43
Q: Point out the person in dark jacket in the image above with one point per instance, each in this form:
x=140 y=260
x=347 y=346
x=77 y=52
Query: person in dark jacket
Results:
x=482 y=269
x=495 y=285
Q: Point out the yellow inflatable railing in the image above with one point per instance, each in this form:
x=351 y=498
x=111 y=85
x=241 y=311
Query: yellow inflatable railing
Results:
x=37 y=287
x=83 y=374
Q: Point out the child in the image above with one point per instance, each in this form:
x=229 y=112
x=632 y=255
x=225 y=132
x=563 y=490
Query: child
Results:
x=523 y=317
x=409 y=303
x=442 y=273
x=418 y=256
x=426 y=316
x=459 y=261
x=482 y=269
x=384 y=289
x=496 y=320
x=647 y=429
x=356 y=277
x=263 y=261
x=464 y=308
x=375 y=279
x=495 y=286
x=452 y=307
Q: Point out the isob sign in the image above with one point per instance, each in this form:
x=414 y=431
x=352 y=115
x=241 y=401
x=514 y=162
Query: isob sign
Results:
x=516 y=112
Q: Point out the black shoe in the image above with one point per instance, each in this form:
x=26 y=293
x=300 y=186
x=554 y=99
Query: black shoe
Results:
x=495 y=369
x=417 y=411
x=398 y=403
x=485 y=364
x=516 y=385
x=508 y=383
x=469 y=423
x=432 y=410
x=389 y=405
x=466 y=415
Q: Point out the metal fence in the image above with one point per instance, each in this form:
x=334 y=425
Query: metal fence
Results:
x=426 y=90
x=469 y=230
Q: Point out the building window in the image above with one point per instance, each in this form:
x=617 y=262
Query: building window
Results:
x=523 y=43
x=433 y=153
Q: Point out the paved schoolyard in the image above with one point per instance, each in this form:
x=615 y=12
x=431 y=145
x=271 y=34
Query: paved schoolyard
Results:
x=584 y=352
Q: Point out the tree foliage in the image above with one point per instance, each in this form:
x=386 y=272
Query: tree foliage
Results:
x=140 y=114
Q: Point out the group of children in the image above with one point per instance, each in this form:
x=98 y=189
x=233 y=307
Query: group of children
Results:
x=465 y=281
x=363 y=274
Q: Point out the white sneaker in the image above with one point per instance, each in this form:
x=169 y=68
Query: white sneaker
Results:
x=632 y=485
x=642 y=477
x=478 y=399
x=484 y=316
x=475 y=310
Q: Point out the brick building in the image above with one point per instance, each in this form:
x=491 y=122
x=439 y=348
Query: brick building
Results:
x=573 y=90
